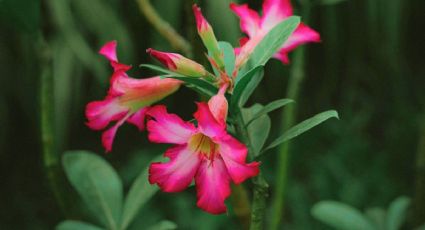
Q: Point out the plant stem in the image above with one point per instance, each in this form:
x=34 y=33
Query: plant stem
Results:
x=49 y=151
x=288 y=116
x=419 y=199
x=241 y=205
x=260 y=191
x=164 y=28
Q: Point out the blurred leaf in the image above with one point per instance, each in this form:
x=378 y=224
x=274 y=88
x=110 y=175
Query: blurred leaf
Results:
x=396 y=213
x=76 y=225
x=197 y=84
x=269 y=108
x=303 y=127
x=245 y=87
x=97 y=183
x=259 y=129
x=340 y=216
x=377 y=217
x=140 y=192
x=25 y=14
x=229 y=57
x=272 y=42
x=422 y=227
x=164 y=225
x=330 y=2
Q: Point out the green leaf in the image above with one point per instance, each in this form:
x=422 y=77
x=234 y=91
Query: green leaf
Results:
x=76 y=225
x=303 y=127
x=272 y=42
x=269 y=108
x=340 y=216
x=197 y=84
x=229 y=57
x=245 y=87
x=164 y=225
x=396 y=213
x=97 y=183
x=259 y=129
x=377 y=217
x=140 y=192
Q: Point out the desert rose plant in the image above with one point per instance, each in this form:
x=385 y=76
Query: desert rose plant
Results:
x=222 y=145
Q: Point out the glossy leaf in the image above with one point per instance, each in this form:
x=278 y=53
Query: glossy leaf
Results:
x=272 y=42
x=259 y=129
x=140 y=192
x=76 y=225
x=303 y=127
x=229 y=57
x=269 y=108
x=245 y=87
x=340 y=216
x=396 y=213
x=97 y=183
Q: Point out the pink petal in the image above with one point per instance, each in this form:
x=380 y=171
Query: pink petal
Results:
x=207 y=123
x=168 y=128
x=218 y=105
x=303 y=34
x=234 y=155
x=212 y=185
x=109 y=51
x=109 y=135
x=201 y=23
x=100 y=113
x=178 y=173
x=138 y=119
x=250 y=21
x=274 y=11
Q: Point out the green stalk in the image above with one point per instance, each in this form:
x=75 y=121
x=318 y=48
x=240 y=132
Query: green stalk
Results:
x=288 y=116
x=49 y=150
x=260 y=189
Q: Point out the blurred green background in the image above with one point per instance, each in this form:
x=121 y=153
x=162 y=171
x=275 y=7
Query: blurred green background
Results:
x=370 y=67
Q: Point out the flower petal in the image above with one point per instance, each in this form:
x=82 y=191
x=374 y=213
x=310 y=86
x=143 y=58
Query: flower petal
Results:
x=274 y=11
x=138 y=118
x=109 y=135
x=212 y=185
x=100 y=113
x=218 y=105
x=207 y=123
x=234 y=154
x=303 y=34
x=168 y=128
x=250 y=21
x=109 y=51
x=178 y=173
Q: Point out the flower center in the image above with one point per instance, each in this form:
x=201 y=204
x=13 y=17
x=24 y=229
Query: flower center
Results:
x=203 y=145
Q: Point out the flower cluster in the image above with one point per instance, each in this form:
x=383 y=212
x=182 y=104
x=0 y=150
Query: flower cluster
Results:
x=204 y=152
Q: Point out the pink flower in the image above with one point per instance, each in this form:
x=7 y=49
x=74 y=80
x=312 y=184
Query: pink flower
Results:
x=179 y=64
x=256 y=27
x=206 y=153
x=127 y=98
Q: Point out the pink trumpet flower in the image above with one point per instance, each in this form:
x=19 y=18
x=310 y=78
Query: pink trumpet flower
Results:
x=127 y=98
x=206 y=153
x=179 y=64
x=256 y=27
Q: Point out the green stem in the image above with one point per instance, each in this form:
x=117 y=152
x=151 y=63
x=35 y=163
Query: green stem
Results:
x=49 y=151
x=164 y=28
x=288 y=116
x=260 y=189
x=419 y=199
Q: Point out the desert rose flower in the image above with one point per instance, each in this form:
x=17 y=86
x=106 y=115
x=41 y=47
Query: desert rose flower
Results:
x=127 y=98
x=206 y=153
x=256 y=27
x=179 y=64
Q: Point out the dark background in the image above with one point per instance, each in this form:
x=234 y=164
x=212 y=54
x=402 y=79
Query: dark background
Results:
x=370 y=67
